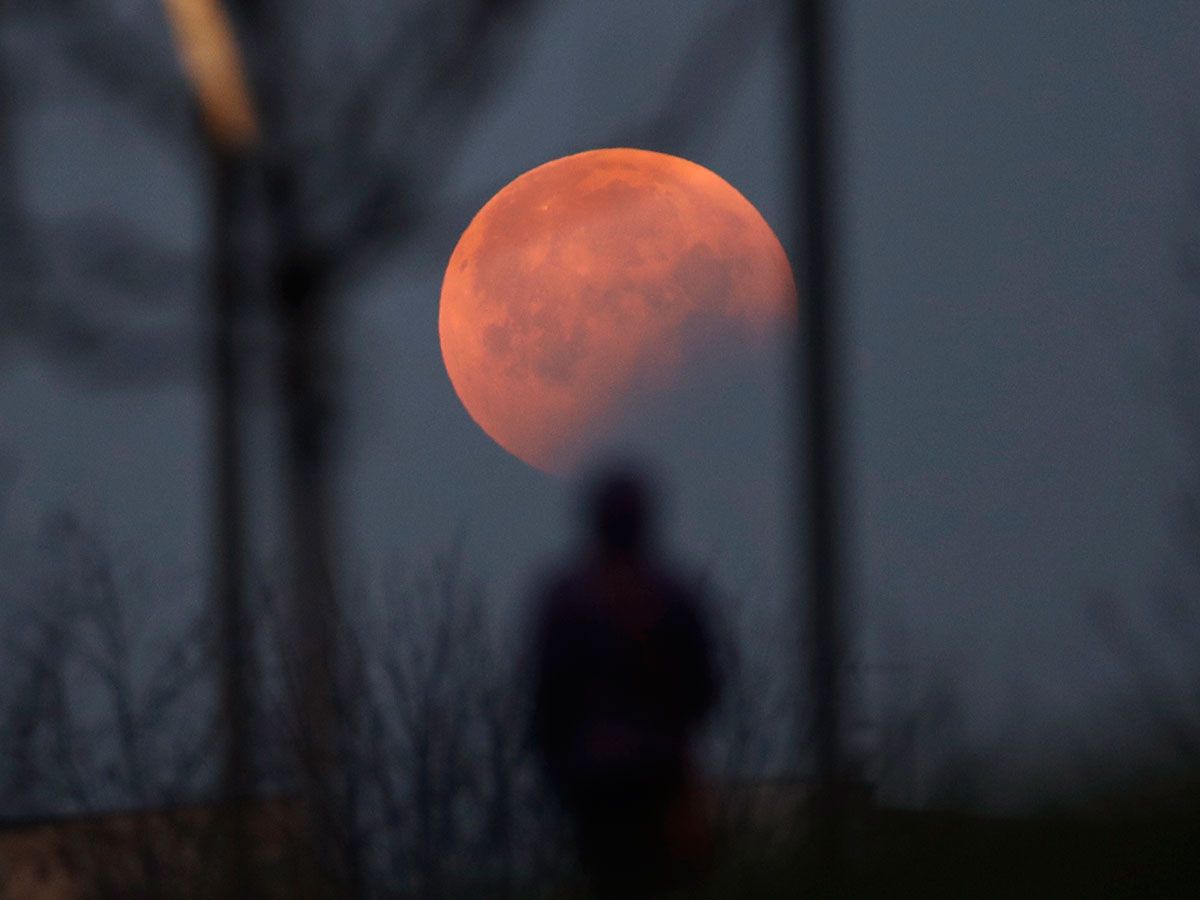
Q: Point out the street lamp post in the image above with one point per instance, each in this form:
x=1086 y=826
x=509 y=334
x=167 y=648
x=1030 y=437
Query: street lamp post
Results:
x=211 y=58
x=819 y=376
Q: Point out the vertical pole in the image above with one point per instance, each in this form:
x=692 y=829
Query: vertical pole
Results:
x=307 y=396
x=211 y=58
x=307 y=375
x=820 y=299
x=229 y=557
x=20 y=265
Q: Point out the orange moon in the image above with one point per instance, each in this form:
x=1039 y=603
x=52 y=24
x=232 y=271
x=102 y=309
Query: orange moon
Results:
x=595 y=281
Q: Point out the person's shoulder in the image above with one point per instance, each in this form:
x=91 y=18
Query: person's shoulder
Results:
x=682 y=587
x=558 y=589
x=564 y=578
x=677 y=577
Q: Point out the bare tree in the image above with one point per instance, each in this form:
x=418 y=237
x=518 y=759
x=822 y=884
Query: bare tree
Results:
x=105 y=716
x=437 y=790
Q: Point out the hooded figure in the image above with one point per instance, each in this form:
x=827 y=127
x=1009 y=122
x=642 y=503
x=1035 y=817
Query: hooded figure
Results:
x=624 y=677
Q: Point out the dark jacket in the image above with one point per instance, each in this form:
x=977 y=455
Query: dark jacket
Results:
x=623 y=676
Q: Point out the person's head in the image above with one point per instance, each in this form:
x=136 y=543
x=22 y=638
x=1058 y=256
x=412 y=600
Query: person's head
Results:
x=620 y=510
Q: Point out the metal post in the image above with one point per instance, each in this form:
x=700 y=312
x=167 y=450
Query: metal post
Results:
x=234 y=629
x=213 y=62
x=815 y=191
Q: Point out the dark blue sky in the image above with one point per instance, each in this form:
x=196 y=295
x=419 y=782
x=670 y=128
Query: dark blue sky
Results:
x=1015 y=179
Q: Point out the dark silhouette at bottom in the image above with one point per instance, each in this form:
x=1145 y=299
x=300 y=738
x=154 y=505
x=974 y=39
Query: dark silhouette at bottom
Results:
x=624 y=675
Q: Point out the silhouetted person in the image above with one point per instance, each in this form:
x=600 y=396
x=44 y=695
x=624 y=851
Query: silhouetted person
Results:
x=624 y=675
